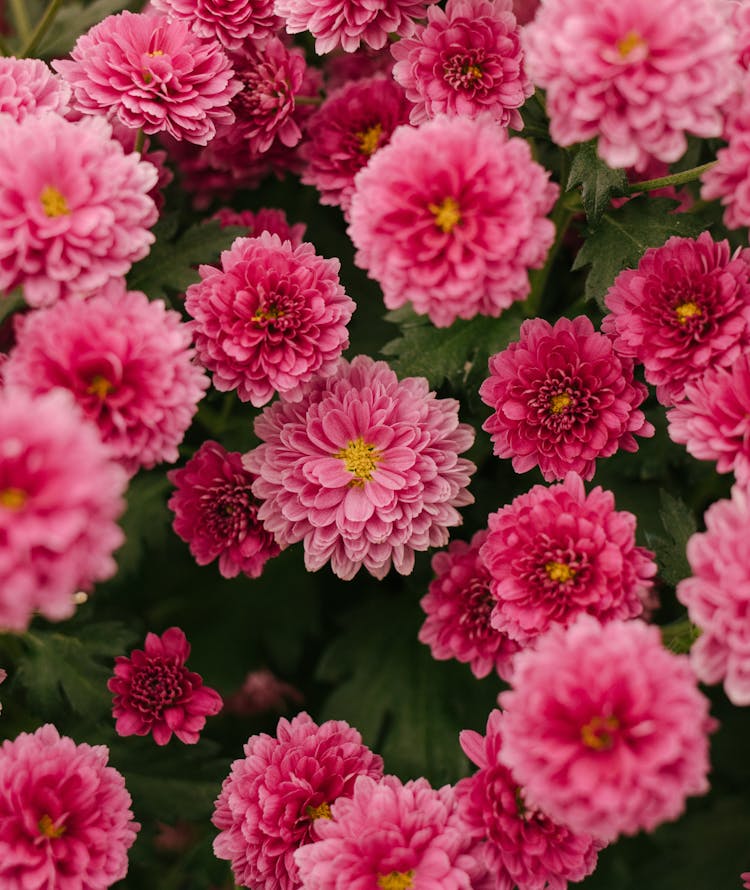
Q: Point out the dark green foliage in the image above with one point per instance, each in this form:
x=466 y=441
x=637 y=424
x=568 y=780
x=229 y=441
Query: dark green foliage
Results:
x=599 y=183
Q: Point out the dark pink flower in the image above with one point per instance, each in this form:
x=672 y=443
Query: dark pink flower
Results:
x=155 y=693
x=525 y=10
x=745 y=876
x=341 y=68
x=261 y=692
x=267 y=219
x=27 y=86
x=65 y=818
x=231 y=22
x=283 y=788
x=562 y=398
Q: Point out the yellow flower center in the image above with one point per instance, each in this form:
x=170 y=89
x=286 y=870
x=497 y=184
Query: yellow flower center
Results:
x=156 y=52
x=12 y=498
x=687 y=310
x=53 y=202
x=598 y=733
x=268 y=313
x=558 y=571
x=396 y=880
x=360 y=459
x=447 y=214
x=369 y=140
x=99 y=386
x=631 y=41
x=558 y=403
x=322 y=811
x=473 y=71
x=47 y=828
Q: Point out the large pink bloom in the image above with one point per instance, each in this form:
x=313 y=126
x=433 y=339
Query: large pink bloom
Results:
x=231 y=22
x=27 y=86
x=128 y=363
x=605 y=729
x=74 y=208
x=637 y=75
x=65 y=818
x=283 y=788
x=364 y=470
x=562 y=398
x=272 y=317
x=60 y=495
x=451 y=215
x=153 y=74
x=267 y=219
x=685 y=308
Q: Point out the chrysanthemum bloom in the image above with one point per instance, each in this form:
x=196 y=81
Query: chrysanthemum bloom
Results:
x=60 y=497
x=351 y=125
x=156 y=693
x=216 y=513
x=605 y=729
x=392 y=836
x=466 y=60
x=128 y=363
x=231 y=22
x=521 y=847
x=341 y=68
x=283 y=787
x=65 y=818
x=74 y=208
x=562 y=397
x=364 y=470
x=525 y=10
x=746 y=878
x=267 y=219
x=27 y=86
x=273 y=316
x=458 y=606
x=638 y=75
x=152 y=74
x=557 y=552
x=685 y=308
x=451 y=215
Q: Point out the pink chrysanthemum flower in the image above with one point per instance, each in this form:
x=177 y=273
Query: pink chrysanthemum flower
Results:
x=745 y=876
x=152 y=74
x=685 y=308
x=351 y=125
x=364 y=470
x=521 y=847
x=562 y=398
x=155 y=693
x=635 y=75
x=231 y=22
x=392 y=836
x=556 y=552
x=467 y=60
x=267 y=219
x=458 y=607
x=270 y=319
x=27 y=86
x=525 y=10
x=451 y=215
x=128 y=363
x=605 y=729
x=65 y=818
x=341 y=68
x=283 y=788
x=216 y=513
x=74 y=208
x=60 y=497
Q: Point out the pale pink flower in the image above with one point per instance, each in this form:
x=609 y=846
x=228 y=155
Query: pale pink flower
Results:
x=27 y=86
x=451 y=215
x=364 y=469
x=274 y=798
x=261 y=692
x=231 y=22
x=605 y=729
x=637 y=75
x=562 y=398
x=267 y=219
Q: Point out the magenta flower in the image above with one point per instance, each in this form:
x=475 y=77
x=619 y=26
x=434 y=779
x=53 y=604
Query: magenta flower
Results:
x=364 y=470
x=686 y=308
x=525 y=10
x=155 y=693
x=267 y=219
x=275 y=798
x=231 y=22
x=74 y=208
x=65 y=818
x=451 y=215
x=217 y=515
x=152 y=74
x=27 y=86
x=467 y=60
x=270 y=319
x=561 y=398
x=458 y=607
x=605 y=729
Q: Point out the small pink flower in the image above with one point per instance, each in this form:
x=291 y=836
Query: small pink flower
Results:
x=745 y=876
x=266 y=219
x=231 y=22
x=261 y=692
x=155 y=693
x=27 y=86
x=562 y=398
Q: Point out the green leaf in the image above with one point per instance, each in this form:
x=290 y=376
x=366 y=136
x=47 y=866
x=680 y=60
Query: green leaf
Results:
x=599 y=183
x=75 y=19
x=146 y=520
x=679 y=524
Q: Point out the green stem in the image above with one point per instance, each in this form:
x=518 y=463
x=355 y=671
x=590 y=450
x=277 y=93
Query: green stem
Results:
x=680 y=635
x=140 y=139
x=561 y=216
x=648 y=185
x=8 y=304
x=41 y=28
x=5 y=50
x=307 y=100
x=21 y=18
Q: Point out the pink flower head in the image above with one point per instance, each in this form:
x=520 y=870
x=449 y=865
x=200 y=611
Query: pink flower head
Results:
x=451 y=215
x=27 y=86
x=364 y=469
x=65 y=818
x=270 y=319
x=216 y=513
x=605 y=729
x=521 y=846
x=562 y=397
x=685 y=308
x=128 y=363
x=274 y=799
x=393 y=836
x=267 y=219
x=60 y=497
x=745 y=876
x=74 y=208
x=152 y=74
x=525 y=10
x=458 y=607
x=636 y=75
x=261 y=692
x=467 y=60
x=155 y=693
x=231 y=22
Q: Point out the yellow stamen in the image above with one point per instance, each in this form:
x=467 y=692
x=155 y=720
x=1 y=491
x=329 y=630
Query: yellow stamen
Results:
x=100 y=387
x=53 y=202
x=268 y=313
x=360 y=459
x=156 y=52
x=632 y=40
x=47 y=828
x=687 y=310
x=369 y=140
x=559 y=571
x=396 y=880
x=558 y=403
x=322 y=811
x=12 y=498
x=474 y=72
x=447 y=214
x=598 y=733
